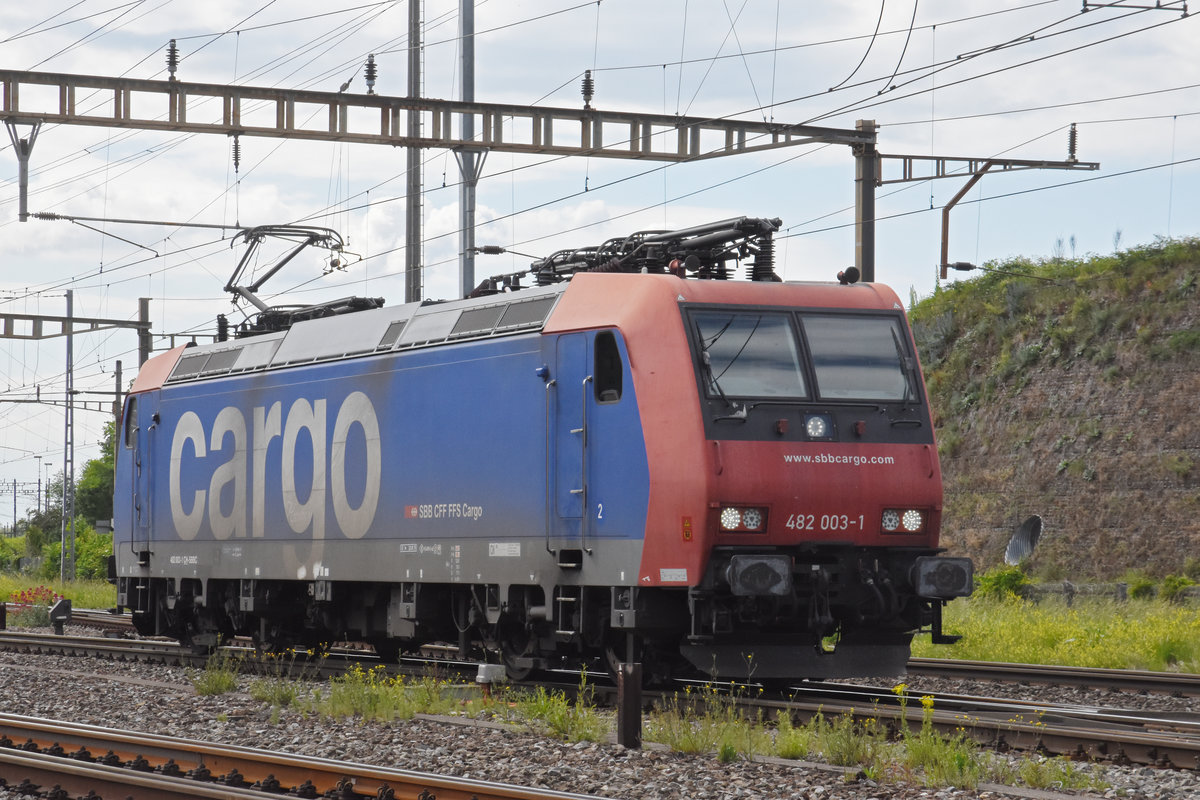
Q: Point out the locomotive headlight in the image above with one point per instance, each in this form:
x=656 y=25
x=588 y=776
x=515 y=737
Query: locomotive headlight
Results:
x=743 y=520
x=818 y=426
x=731 y=519
x=902 y=520
x=752 y=519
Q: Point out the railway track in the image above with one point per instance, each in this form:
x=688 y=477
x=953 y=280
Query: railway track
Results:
x=82 y=758
x=1165 y=740
x=1172 y=683
x=1078 y=731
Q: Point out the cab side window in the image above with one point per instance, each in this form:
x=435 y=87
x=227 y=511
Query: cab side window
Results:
x=608 y=368
x=130 y=432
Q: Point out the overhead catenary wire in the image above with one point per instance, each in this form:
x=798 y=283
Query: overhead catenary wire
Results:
x=373 y=198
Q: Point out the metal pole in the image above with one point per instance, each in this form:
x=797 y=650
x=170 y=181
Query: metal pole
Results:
x=23 y=148
x=866 y=173
x=412 y=203
x=118 y=403
x=629 y=705
x=145 y=342
x=945 y=265
x=67 y=545
x=466 y=158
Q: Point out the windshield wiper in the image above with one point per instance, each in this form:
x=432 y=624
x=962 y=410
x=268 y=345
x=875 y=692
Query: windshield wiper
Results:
x=906 y=367
x=739 y=411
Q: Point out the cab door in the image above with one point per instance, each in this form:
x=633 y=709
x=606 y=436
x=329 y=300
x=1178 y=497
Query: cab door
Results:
x=568 y=413
x=139 y=438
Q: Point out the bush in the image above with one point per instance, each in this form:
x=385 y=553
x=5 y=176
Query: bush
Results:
x=1141 y=586
x=1001 y=583
x=91 y=554
x=12 y=548
x=1173 y=586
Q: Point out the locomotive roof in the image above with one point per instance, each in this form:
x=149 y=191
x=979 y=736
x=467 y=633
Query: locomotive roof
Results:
x=586 y=300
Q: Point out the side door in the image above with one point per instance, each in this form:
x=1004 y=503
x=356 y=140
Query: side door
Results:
x=139 y=433
x=567 y=409
x=590 y=434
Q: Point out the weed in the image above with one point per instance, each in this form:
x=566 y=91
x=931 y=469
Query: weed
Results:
x=1185 y=341
x=1178 y=464
x=550 y=713
x=219 y=676
x=950 y=441
x=1191 y=568
x=1058 y=773
x=790 y=741
x=707 y=721
x=281 y=677
x=373 y=695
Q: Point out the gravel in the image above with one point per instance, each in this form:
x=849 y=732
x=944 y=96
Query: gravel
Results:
x=161 y=700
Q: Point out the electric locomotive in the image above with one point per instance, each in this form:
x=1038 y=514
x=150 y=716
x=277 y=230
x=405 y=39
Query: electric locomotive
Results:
x=637 y=457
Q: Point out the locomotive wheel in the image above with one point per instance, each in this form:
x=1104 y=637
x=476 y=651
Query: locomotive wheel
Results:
x=516 y=643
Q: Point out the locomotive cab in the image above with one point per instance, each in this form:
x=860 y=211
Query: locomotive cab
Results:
x=826 y=494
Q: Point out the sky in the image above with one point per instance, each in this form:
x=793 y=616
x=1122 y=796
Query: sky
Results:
x=991 y=78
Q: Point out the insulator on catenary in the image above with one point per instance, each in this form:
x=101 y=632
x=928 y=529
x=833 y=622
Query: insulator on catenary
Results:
x=1072 y=141
x=172 y=60
x=237 y=152
x=372 y=73
x=589 y=88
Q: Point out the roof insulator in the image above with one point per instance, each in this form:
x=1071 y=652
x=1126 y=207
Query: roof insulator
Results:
x=589 y=89
x=372 y=74
x=172 y=60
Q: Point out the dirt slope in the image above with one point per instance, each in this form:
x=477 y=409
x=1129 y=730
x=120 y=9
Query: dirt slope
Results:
x=1074 y=394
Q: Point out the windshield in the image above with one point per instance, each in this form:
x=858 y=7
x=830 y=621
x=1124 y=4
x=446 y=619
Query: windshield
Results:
x=859 y=357
x=749 y=354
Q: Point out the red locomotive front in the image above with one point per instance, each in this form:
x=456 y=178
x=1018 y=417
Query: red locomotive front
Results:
x=803 y=522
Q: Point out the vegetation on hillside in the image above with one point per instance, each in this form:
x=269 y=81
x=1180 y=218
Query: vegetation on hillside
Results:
x=980 y=337
x=1056 y=388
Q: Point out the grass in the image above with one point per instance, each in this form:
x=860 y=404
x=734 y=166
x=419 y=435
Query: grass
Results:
x=219 y=676
x=82 y=593
x=706 y=720
x=1092 y=632
x=281 y=679
x=550 y=713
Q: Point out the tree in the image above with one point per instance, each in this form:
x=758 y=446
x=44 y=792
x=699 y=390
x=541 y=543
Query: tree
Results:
x=94 y=492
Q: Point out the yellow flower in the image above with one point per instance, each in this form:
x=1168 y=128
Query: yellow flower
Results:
x=927 y=702
x=899 y=689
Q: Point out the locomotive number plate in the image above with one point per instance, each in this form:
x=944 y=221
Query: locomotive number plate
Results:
x=825 y=522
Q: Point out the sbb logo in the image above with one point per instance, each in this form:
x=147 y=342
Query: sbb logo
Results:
x=246 y=469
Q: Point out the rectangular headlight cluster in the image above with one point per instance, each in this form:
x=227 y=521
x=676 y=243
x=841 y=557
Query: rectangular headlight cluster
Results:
x=902 y=520
x=743 y=519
